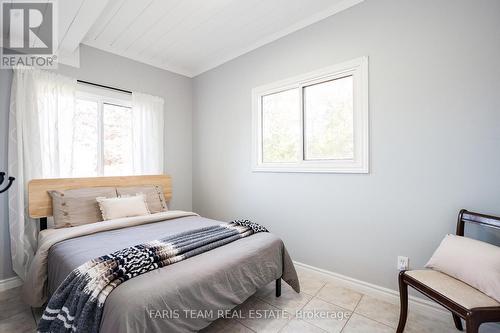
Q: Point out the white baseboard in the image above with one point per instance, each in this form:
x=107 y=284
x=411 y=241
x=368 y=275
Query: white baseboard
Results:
x=10 y=283
x=420 y=305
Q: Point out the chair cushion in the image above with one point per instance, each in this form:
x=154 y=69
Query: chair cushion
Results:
x=471 y=261
x=456 y=290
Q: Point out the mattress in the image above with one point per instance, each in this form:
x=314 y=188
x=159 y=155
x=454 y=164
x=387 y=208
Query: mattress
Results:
x=183 y=297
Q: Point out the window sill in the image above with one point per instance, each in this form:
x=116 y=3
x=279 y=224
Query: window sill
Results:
x=358 y=169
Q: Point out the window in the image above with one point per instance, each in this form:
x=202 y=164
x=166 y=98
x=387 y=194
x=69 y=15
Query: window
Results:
x=316 y=122
x=102 y=133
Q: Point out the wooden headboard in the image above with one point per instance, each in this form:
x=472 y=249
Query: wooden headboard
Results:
x=40 y=202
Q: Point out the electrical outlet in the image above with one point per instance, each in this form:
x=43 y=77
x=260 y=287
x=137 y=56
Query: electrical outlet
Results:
x=403 y=263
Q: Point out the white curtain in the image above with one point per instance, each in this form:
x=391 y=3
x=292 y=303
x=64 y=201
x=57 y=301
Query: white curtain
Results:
x=40 y=141
x=147 y=133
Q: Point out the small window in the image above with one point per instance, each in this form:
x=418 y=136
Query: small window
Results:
x=317 y=122
x=103 y=137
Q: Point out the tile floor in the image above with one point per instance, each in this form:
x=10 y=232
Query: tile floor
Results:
x=354 y=312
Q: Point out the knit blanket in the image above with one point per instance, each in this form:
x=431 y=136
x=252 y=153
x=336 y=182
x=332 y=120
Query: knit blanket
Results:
x=78 y=303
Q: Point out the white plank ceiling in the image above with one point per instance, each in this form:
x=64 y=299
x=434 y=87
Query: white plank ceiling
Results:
x=189 y=37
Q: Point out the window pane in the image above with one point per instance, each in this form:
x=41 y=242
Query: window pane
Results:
x=117 y=134
x=85 y=139
x=328 y=116
x=281 y=127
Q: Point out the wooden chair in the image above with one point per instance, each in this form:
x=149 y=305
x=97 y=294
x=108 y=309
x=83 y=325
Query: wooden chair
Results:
x=461 y=299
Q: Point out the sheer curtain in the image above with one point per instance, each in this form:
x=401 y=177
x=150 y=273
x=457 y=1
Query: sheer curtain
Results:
x=40 y=146
x=43 y=140
x=147 y=133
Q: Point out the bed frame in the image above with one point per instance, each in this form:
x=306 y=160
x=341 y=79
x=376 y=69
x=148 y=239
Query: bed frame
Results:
x=40 y=202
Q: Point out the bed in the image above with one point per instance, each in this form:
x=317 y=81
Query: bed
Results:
x=183 y=297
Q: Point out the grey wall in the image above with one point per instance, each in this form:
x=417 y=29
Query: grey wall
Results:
x=108 y=69
x=435 y=136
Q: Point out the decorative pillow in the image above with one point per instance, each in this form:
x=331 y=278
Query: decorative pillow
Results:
x=154 y=196
x=471 y=261
x=76 y=207
x=125 y=206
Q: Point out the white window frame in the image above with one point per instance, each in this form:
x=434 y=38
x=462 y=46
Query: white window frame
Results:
x=102 y=96
x=358 y=68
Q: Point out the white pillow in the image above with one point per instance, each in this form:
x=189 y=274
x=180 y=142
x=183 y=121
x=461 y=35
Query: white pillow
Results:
x=125 y=206
x=471 y=261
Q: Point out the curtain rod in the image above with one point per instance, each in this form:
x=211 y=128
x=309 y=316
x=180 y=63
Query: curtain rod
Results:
x=103 y=86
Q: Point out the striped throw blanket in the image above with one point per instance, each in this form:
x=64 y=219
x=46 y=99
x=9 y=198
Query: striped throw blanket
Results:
x=78 y=303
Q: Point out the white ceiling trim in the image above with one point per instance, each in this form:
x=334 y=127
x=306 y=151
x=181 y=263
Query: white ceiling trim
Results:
x=338 y=7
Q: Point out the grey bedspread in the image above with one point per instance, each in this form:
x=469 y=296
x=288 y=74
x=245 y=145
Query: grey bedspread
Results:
x=171 y=299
